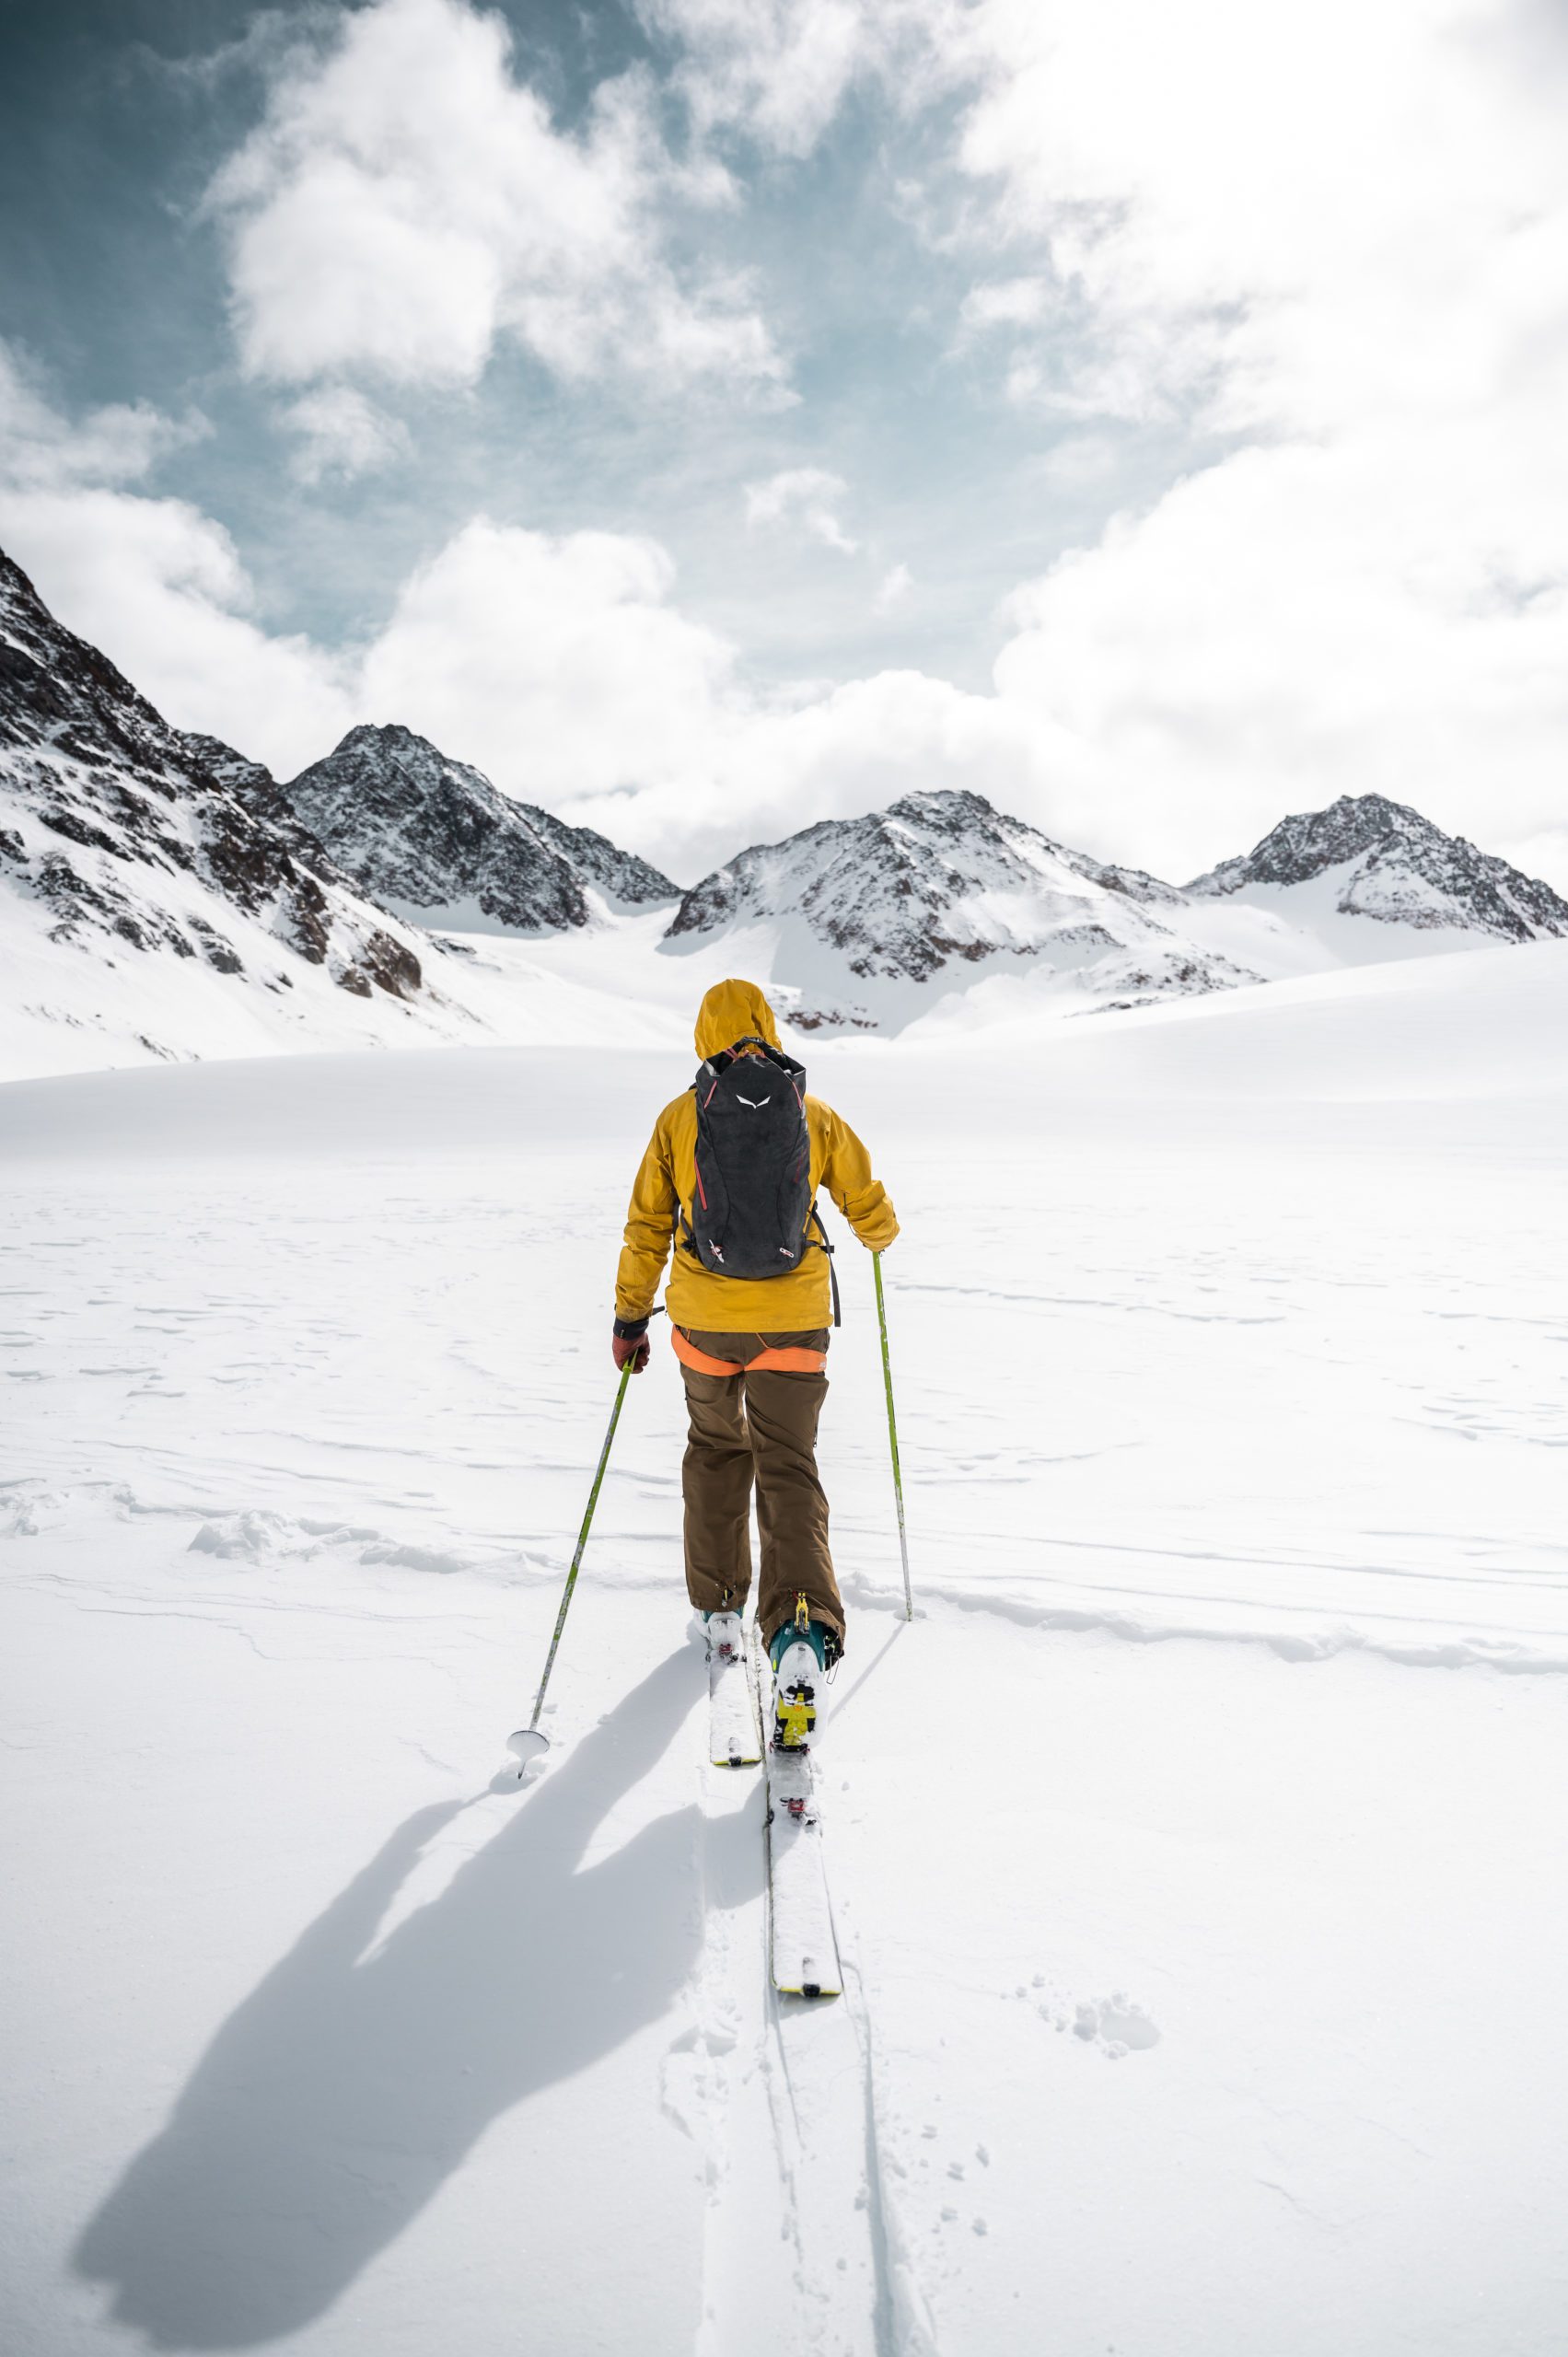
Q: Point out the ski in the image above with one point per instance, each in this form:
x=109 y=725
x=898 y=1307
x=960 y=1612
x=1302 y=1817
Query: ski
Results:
x=733 y=1739
x=803 y=1952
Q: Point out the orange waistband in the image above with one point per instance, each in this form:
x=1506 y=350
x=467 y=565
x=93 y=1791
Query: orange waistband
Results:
x=786 y=1362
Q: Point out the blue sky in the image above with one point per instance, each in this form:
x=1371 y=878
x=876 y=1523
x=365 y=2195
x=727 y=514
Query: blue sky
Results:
x=710 y=415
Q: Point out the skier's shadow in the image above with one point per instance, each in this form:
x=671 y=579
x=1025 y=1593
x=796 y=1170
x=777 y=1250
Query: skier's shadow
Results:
x=334 y=2105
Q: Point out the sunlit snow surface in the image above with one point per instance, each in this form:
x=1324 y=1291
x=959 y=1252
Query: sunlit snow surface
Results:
x=1198 y=1850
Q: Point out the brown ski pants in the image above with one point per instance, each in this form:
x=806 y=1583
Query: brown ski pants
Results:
x=757 y=1427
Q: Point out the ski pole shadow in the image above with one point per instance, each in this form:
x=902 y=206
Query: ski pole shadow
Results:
x=339 y=2097
x=842 y=1701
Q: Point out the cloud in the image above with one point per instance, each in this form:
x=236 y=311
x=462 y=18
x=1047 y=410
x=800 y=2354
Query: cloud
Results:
x=779 y=69
x=159 y=588
x=40 y=451
x=1080 y=462
x=1321 y=255
x=1243 y=219
x=1165 y=695
x=1129 y=697
x=558 y=665
x=343 y=435
x=1294 y=624
x=561 y=665
x=769 y=772
x=1320 y=258
x=892 y=589
x=564 y=668
x=153 y=581
x=1349 y=282
x=806 y=498
x=407 y=203
x=1007 y=302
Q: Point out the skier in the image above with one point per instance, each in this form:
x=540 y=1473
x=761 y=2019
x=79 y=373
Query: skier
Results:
x=730 y=1177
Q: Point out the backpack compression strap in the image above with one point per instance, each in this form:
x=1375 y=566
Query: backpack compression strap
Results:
x=821 y=1241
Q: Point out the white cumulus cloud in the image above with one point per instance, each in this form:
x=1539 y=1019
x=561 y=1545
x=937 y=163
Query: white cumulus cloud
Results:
x=1323 y=254
x=560 y=666
x=407 y=202
x=40 y=449
x=1337 y=242
x=154 y=582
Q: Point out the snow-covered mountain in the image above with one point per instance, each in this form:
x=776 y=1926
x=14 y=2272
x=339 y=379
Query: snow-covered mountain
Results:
x=1367 y=858
x=126 y=849
x=435 y=840
x=869 y=920
x=163 y=896
x=941 y=910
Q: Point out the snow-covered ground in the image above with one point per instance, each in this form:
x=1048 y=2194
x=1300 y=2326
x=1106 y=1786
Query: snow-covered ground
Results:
x=1198 y=1849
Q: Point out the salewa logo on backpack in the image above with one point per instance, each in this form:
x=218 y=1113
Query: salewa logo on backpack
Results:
x=755 y=1103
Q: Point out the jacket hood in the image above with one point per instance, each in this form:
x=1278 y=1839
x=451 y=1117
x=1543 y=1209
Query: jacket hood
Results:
x=729 y=1012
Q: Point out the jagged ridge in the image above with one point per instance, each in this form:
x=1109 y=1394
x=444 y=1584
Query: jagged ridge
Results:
x=941 y=877
x=416 y=829
x=1399 y=869
x=108 y=806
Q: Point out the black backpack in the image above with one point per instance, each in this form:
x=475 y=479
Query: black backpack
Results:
x=752 y=1202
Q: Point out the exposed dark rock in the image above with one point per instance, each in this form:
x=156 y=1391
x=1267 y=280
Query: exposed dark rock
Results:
x=85 y=760
x=417 y=831
x=942 y=882
x=1391 y=865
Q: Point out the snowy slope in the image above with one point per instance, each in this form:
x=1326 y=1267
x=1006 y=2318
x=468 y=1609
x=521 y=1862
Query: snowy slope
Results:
x=146 y=910
x=434 y=839
x=869 y=920
x=160 y=899
x=1197 y=1977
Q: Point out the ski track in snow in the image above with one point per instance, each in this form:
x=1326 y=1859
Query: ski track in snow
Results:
x=1191 y=1964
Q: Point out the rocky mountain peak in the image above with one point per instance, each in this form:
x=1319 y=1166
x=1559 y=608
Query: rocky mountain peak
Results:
x=119 y=827
x=434 y=837
x=1387 y=862
x=942 y=880
x=944 y=809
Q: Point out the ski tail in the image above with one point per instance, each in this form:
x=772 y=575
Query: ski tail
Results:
x=734 y=1734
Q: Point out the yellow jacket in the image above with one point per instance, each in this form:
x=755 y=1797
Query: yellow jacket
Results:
x=796 y=1302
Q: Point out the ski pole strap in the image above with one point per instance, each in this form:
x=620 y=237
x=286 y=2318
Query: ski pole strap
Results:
x=582 y=1543
x=892 y=1433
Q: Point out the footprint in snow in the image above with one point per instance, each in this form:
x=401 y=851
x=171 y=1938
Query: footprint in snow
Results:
x=1117 y=2026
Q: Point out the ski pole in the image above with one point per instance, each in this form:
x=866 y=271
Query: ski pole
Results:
x=892 y=1432
x=528 y=1742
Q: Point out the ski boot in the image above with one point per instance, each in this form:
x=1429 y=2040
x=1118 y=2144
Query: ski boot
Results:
x=803 y=1652
x=725 y=1634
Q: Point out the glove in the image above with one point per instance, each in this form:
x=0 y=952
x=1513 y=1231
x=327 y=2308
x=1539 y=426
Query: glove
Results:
x=628 y=1339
